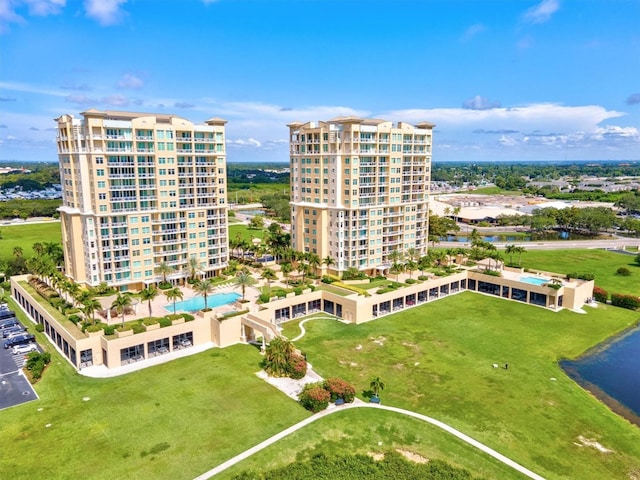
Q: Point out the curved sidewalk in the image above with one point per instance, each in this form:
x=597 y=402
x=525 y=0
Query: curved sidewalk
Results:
x=359 y=404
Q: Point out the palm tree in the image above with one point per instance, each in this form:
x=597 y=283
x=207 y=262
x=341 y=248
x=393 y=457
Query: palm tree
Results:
x=172 y=295
x=163 y=269
x=148 y=294
x=38 y=249
x=269 y=275
x=244 y=279
x=205 y=288
x=314 y=262
x=121 y=303
x=396 y=258
x=89 y=307
x=510 y=250
x=377 y=386
x=411 y=266
x=17 y=251
x=424 y=263
x=519 y=250
x=328 y=261
x=195 y=267
x=277 y=356
x=286 y=268
x=475 y=236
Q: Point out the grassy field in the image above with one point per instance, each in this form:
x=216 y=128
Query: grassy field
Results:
x=437 y=360
x=25 y=235
x=602 y=263
x=245 y=232
x=175 y=420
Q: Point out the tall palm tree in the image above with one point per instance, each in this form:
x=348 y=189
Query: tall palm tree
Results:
x=328 y=261
x=314 y=262
x=411 y=266
x=195 y=267
x=172 y=295
x=147 y=295
x=269 y=275
x=377 y=386
x=38 y=249
x=121 y=303
x=510 y=250
x=89 y=307
x=204 y=287
x=520 y=250
x=286 y=269
x=244 y=279
x=17 y=251
x=163 y=269
x=396 y=261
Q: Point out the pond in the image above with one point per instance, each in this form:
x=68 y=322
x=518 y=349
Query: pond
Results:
x=537 y=237
x=612 y=373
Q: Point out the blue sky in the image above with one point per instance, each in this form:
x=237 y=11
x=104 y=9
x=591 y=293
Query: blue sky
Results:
x=503 y=80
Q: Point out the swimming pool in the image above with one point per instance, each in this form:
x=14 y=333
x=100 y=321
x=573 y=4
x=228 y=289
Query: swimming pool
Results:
x=197 y=303
x=535 y=280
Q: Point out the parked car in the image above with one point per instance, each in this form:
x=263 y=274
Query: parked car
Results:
x=7 y=332
x=5 y=314
x=18 y=349
x=19 y=340
x=10 y=323
x=16 y=334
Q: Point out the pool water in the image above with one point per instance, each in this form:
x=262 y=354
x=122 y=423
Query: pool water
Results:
x=197 y=303
x=535 y=280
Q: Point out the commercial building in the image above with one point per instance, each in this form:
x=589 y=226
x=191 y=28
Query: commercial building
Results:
x=140 y=191
x=360 y=190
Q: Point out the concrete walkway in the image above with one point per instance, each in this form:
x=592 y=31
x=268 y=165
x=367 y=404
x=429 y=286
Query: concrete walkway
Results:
x=359 y=404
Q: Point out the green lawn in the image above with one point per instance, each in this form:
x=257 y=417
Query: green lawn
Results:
x=602 y=263
x=437 y=360
x=175 y=420
x=246 y=232
x=25 y=235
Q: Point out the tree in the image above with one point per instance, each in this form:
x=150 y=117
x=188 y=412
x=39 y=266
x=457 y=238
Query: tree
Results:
x=328 y=261
x=204 y=287
x=519 y=250
x=163 y=269
x=195 y=267
x=269 y=275
x=147 y=295
x=377 y=386
x=89 y=307
x=276 y=356
x=256 y=222
x=17 y=251
x=510 y=250
x=121 y=303
x=396 y=261
x=314 y=262
x=244 y=279
x=286 y=269
x=172 y=295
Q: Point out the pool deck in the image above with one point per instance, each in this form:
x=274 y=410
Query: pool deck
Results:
x=158 y=304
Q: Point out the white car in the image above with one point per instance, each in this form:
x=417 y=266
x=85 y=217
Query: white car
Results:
x=18 y=349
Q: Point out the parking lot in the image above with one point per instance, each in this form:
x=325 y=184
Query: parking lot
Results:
x=14 y=386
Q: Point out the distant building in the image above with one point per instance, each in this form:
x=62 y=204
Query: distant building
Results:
x=360 y=190
x=140 y=190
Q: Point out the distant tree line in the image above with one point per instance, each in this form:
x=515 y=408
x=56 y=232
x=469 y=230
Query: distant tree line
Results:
x=29 y=208
x=41 y=176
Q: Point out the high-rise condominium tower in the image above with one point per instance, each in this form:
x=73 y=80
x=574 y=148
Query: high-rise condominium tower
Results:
x=141 y=192
x=360 y=190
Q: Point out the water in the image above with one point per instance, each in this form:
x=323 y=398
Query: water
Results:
x=506 y=238
x=535 y=280
x=197 y=303
x=612 y=373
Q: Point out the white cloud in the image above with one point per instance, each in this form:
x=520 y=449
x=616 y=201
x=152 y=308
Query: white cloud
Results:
x=129 y=80
x=541 y=12
x=45 y=7
x=480 y=103
x=472 y=31
x=251 y=142
x=106 y=12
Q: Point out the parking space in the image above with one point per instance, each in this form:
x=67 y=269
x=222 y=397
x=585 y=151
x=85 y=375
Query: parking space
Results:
x=15 y=389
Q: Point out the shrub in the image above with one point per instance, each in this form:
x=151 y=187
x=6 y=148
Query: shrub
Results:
x=74 y=318
x=93 y=328
x=165 y=322
x=36 y=363
x=297 y=367
x=600 y=295
x=386 y=289
x=493 y=273
x=625 y=301
x=623 y=272
x=150 y=321
x=410 y=281
x=109 y=329
x=327 y=279
x=297 y=290
x=136 y=327
x=423 y=278
x=165 y=285
x=339 y=388
x=188 y=317
x=39 y=327
x=314 y=397
x=581 y=276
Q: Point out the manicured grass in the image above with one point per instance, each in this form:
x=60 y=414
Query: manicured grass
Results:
x=602 y=263
x=246 y=232
x=25 y=235
x=437 y=360
x=175 y=420
x=368 y=431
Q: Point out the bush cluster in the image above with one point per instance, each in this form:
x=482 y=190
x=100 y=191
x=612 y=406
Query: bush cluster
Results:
x=314 y=397
x=281 y=359
x=581 y=276
x=600 y=295
x=339 y=388
x=623 y=272
x=36 y=363
x=625 y=301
